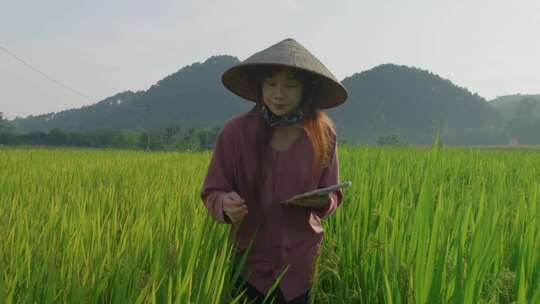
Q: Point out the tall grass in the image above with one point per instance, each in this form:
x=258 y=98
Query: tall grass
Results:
x=417 y=226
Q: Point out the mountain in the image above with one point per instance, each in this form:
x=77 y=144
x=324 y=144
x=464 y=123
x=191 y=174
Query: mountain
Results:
x=108 y=113
x=513 y=106
x=191 y=97
x=413 y=103
x=521 y=116
x=388 y=99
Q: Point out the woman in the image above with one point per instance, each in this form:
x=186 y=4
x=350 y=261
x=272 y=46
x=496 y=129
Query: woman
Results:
x=284 y=146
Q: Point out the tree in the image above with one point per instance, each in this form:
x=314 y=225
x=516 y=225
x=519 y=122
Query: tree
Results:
x=3 y=139
x=526 y=108
x=1 y=121
x=389 y=140
x=58 y=137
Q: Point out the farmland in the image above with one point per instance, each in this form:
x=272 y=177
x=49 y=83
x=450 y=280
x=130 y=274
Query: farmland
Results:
x=438 y=225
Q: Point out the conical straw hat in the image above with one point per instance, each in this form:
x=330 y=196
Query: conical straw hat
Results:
x=289 y=53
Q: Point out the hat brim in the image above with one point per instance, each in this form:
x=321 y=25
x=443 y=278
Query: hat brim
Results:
x=329 y=93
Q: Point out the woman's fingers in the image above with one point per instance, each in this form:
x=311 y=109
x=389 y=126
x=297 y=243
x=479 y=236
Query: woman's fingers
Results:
x=235 y=209
x=234 y=206
x=235 y=197
x=237 y=215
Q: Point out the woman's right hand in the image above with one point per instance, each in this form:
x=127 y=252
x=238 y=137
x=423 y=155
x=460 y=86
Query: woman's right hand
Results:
x=234 y=206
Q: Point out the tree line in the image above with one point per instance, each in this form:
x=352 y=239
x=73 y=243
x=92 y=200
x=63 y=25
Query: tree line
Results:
x=170 y=138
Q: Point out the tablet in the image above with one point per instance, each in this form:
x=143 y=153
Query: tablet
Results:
x=319 y=192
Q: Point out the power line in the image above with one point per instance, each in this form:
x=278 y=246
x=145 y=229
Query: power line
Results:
x=47 y=76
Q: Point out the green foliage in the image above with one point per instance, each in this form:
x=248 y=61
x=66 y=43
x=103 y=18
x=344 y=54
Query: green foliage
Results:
x=528 y=108
x=428 y=225
x=389 y=140
x=172 y=138
x=526 y=130
x=176 y=138
x=94 y=226
x=516 y=106
x=6 y=127
x=522 y=118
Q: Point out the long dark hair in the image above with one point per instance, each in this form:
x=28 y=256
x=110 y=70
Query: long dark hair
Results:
x=318 y=126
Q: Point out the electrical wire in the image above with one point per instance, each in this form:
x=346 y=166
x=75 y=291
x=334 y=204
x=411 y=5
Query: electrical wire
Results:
x=50 y=78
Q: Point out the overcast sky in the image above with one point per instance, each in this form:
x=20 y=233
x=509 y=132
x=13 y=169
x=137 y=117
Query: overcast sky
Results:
x=100 y=48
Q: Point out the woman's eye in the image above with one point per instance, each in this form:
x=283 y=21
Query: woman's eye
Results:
x=271 y=83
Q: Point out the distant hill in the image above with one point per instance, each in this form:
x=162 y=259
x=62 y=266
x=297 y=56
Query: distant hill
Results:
x=388 y=99
x=191 y=97
x=521 y=117
x=512 y=106
x=413 y=103
x=108 y=113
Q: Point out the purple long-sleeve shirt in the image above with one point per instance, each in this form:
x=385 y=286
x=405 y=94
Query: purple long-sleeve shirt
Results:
x=286 y=235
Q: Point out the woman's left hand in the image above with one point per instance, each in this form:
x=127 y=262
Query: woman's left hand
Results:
x=318 y=201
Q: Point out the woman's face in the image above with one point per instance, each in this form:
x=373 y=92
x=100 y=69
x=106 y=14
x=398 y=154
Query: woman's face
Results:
x=282 y=92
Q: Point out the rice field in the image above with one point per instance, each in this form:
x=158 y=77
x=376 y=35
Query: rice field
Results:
x=435 y=225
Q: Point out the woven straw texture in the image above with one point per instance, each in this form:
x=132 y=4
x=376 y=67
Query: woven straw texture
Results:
x=329 y=91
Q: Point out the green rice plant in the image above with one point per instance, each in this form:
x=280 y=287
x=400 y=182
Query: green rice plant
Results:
x=419 y=225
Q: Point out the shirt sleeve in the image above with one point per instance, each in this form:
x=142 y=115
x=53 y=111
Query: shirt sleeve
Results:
x=220 y=177
x=330 y=177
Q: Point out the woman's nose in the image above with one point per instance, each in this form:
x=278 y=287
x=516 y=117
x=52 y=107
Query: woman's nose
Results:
x=280 y=91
